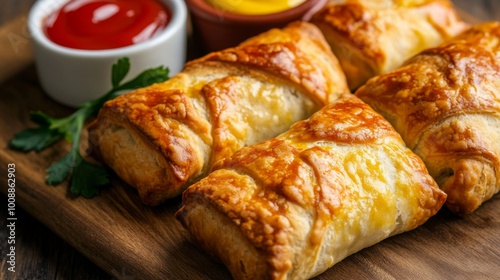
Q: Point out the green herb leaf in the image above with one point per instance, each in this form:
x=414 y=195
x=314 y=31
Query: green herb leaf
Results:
x=58 y=172
x=119 y=70
x=34 y=139
x=149 y=77
x=40 y=118
x=86 y=178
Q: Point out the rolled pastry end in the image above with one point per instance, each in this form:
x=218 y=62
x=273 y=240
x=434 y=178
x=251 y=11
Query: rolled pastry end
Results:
x=204 y=220
x=139 y=164
x=468 y=185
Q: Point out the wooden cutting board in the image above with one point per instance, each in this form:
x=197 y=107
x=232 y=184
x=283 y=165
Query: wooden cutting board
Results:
x=130 y=240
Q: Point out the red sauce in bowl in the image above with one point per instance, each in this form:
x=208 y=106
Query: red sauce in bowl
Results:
x=106 y=24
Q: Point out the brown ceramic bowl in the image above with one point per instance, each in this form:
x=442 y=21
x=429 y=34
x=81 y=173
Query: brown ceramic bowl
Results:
x=216 y=29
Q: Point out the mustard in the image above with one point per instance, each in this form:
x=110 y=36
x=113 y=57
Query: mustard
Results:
x=254 y=7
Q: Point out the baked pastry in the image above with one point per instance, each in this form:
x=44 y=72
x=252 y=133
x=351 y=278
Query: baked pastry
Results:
x=445 y=103
x=293 y=206
x=371 y=37
x=161 y=138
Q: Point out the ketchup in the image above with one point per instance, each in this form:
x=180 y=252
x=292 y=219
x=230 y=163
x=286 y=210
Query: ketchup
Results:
x=106 y=24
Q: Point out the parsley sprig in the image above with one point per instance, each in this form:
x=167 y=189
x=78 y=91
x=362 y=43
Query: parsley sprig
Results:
x=86 y=178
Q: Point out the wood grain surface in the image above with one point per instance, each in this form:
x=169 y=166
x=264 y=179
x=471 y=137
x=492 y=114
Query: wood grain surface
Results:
x=128 y=240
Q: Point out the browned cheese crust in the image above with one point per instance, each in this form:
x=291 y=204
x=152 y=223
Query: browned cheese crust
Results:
x=293 y=206
x=164 y=137
x=445 y=103
x=371 y=37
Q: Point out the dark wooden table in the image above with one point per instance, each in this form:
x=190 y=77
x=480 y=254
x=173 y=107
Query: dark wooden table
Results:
x=43 y=255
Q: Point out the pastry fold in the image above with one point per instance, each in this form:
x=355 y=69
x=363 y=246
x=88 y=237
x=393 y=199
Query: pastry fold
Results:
x=445 y=103
x=292 y=206
x=161 y=138
x=371 y=37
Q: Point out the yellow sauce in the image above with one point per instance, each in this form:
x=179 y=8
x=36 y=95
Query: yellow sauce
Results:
x=254 y=7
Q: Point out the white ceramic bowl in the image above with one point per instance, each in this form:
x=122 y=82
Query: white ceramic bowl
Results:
x=72 y=76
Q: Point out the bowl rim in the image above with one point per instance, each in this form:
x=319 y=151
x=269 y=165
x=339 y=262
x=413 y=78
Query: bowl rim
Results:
x=42 y=8
x=208 y=12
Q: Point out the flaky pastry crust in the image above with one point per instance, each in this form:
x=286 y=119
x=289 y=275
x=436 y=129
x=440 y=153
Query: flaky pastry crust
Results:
x=293 y=206
x=372 y=37
x=164 y=137
x=445 y=103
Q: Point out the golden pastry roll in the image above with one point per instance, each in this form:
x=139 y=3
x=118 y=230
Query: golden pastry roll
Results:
x=162 y=138
x=293 y=206
x=371 y=37
x=445 y=103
